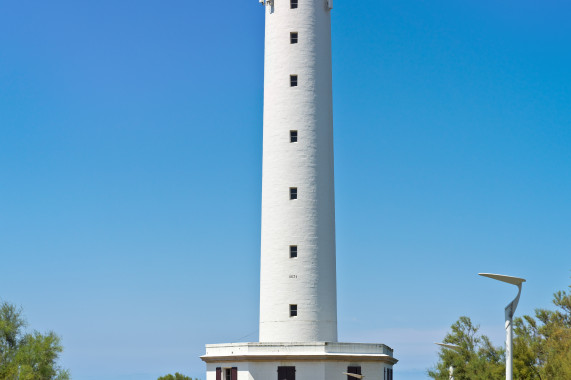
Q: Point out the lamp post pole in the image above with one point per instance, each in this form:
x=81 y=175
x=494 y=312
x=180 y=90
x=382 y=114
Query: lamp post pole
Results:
x=452 y=347
x=509 y=313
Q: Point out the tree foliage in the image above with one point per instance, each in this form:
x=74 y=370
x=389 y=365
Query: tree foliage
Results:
x=477 y=358
x=27 y=356
x=542 y=347
x=176 y=376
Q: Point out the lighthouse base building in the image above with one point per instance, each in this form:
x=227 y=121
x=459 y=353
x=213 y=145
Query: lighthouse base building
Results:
x=298 y=361
x=298 y=285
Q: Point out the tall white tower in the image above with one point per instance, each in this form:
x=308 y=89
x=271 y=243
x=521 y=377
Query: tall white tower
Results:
x=298 y=295
x=298 y=301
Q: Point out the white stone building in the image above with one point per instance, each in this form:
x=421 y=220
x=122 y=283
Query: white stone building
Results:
x=298 y=300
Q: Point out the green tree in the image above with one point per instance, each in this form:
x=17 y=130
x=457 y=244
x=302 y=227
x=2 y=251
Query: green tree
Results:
x=542 y=347
x=477 y=358
x=176 y=376
x=27 y=356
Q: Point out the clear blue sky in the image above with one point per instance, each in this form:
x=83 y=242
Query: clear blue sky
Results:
x=130 y=172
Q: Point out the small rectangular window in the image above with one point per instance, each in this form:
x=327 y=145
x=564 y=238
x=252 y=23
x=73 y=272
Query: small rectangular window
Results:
x=293 y=37
x=293 y=4
x=293 y=251
x=293 y=80
x=293 y=193
x=292 y=136
x=293 y=310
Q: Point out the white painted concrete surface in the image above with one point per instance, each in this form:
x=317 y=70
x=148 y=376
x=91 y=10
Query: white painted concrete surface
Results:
x=308 y=222
x=313 y=361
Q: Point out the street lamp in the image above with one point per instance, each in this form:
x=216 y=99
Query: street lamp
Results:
x=509 y=313
x=452 y=347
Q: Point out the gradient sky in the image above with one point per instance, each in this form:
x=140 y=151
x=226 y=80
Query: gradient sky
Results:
x=130 y=172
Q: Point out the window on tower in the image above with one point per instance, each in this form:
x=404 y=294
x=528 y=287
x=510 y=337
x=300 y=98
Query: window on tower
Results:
x=293 y=37
x=293 y=310
x=292 y=136
x=293 y=80
x=293 y=251
x=293 y=4
x=293 y=193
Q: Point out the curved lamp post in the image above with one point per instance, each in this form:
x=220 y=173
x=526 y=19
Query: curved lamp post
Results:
x=509 y=312
x=452 y=347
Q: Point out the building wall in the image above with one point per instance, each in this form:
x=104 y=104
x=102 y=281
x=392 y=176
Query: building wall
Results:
x=304 y=370
x=308 y=281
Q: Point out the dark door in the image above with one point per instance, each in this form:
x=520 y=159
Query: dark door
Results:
x=353 y=369
x=388 y=374
x=286 y=373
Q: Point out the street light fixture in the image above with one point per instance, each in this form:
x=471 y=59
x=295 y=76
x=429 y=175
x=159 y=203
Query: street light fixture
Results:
x=451 y=347
x=509 y=313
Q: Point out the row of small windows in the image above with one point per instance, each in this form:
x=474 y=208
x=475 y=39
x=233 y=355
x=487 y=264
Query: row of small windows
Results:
x=288 y=373
x=293 y=38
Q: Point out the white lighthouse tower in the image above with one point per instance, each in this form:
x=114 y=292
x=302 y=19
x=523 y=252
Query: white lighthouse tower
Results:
x=298 y=298
x=298 y=206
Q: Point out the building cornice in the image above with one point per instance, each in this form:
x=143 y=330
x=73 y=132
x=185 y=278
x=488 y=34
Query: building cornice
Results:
x=299 y=358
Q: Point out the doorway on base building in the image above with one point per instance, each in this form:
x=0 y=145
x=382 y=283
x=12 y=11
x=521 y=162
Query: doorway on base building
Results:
x=227 y=373
x=286 y=373
x=353 y=370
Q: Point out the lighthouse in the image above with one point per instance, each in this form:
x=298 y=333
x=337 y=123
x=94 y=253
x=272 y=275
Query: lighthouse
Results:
x=298 y=301
x=298 y=290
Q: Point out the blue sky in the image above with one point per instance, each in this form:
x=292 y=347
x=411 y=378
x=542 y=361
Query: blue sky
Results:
x=130 y=172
